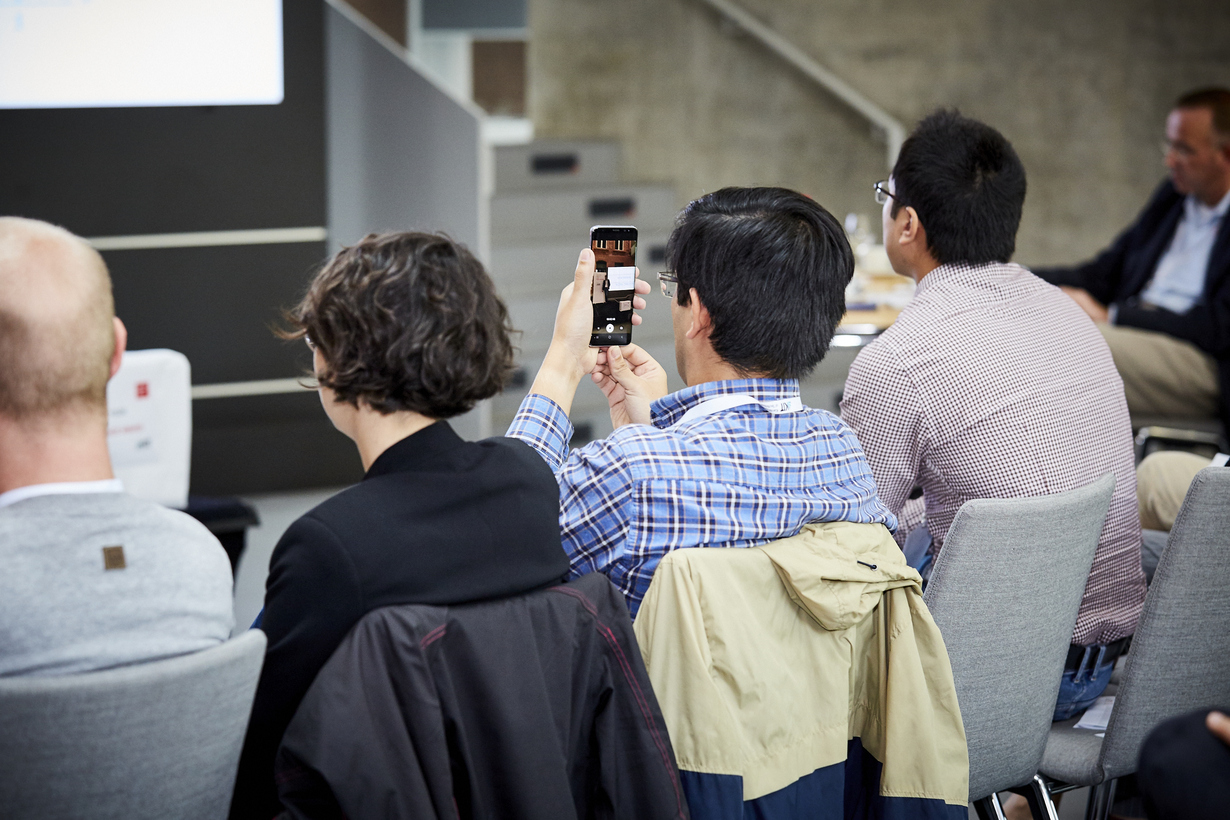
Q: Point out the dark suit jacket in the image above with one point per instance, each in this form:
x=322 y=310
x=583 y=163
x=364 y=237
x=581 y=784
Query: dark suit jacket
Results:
x=1118 y=275
x=437 y=520
x=535 y=706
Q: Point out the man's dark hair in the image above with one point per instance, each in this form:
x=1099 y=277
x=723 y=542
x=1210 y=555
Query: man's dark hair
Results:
x=407 y=321
x=771 y=266
x=1216 y=100
x=967 y=185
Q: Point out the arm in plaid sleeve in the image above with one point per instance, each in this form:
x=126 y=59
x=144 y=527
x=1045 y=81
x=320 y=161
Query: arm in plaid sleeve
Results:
x=543 y=424
x=594 y=485
x=595 y=496
x=881 y=403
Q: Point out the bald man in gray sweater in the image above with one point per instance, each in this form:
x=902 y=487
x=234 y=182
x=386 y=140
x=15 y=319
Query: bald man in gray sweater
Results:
x=90 y=577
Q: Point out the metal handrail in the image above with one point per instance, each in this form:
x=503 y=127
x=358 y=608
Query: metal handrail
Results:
x=894 y=130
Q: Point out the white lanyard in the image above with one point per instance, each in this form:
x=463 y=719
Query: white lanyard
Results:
x=719 y=403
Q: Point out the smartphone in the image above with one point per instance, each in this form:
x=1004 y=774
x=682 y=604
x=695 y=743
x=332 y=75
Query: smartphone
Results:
x=614 y=248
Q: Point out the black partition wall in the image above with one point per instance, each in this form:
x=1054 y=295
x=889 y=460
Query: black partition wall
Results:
x=212 y=219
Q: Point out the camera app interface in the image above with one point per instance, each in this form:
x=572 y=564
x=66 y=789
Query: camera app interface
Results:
x=614 y=286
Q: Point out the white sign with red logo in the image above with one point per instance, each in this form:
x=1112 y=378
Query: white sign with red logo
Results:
x=149 y=425
x=131 y=436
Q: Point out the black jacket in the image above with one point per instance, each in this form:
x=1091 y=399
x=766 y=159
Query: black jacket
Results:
x=437 y=520
x=1118 y=275
x=536 y=706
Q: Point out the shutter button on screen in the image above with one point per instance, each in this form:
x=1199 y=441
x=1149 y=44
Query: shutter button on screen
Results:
x=610 y=328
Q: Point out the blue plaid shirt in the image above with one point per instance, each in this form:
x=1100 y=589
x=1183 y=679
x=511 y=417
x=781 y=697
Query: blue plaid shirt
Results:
x=737 y=478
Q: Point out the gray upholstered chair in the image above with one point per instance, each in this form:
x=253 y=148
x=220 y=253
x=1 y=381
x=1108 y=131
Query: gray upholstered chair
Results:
x=1005 y=593
x=1180 y=655
x=153 y=740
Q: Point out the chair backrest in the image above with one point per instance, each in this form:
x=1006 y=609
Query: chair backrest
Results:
x=149 y=425
x=153 y=740
x=1180 y=655
x=1005 y=593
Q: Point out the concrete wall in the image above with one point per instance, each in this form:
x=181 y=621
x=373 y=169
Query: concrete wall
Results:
x=1081 y=88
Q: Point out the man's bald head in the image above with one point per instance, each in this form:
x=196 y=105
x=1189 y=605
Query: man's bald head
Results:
x=57 y=333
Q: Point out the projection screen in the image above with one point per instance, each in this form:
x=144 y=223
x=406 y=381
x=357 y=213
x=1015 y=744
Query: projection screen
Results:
x=120 y=53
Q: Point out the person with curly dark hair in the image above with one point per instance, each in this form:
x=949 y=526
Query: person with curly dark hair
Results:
x=406 y=331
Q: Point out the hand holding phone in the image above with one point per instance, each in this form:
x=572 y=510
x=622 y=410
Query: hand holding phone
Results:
x=570 y=356
x=632 y=381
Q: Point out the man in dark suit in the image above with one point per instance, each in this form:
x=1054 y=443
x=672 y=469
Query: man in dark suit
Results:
x=1161 y=293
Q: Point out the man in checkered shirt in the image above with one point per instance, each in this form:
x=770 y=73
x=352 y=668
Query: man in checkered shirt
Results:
x=735 y=459
x=992 y=383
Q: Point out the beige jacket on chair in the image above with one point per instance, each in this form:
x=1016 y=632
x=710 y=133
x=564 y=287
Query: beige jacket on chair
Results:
x=767 y=660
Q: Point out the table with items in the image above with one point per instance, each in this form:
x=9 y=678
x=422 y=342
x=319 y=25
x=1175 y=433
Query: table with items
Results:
x=874 y=297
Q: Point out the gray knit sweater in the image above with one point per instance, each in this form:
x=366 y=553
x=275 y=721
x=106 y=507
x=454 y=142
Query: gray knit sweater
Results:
x=62 y=610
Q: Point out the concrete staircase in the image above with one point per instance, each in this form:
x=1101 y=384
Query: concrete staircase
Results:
x=547 y=195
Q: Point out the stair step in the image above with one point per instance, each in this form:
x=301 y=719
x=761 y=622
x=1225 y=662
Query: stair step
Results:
x=553 y=164
x=548 y=266
x=529 y=217
x=534 y=317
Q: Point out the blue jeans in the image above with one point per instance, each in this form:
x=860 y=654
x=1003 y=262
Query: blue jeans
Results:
x=1080 y=687
x=1152 y=543
x=917 y=550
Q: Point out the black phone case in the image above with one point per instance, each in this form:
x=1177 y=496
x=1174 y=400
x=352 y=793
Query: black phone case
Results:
x=607 y=315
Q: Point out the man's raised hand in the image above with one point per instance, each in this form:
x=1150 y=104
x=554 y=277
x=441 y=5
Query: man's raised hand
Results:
x=631 y=380
x=1219 y=725
x=570 y=357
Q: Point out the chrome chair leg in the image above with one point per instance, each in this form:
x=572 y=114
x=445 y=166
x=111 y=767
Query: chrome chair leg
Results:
x=1040 y=803
x=989 y=808
x=1101 y=800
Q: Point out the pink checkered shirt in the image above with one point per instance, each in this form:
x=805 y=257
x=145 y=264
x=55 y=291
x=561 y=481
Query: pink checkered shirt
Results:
x=994 y=384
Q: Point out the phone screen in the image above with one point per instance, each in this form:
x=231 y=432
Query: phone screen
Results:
x=614 y=286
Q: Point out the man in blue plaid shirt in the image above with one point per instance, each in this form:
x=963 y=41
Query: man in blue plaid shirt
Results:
x=757 y=289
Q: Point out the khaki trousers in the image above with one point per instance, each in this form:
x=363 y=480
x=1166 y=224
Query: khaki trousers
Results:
x=1162 y=375
x=1162 y=480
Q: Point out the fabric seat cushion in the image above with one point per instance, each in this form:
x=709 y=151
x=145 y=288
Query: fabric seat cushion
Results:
x=1072 y=754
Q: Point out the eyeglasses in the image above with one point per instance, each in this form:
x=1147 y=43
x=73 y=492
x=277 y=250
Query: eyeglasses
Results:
x=668 y=282
x=882 y=192
x=307 y=340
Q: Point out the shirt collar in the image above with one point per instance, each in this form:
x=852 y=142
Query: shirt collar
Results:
x=414 y=449
x=106 y=485
x=1195 y=209
x=669 y=409
x=964 y=272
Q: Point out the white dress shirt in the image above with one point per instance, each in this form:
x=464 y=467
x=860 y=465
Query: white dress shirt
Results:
x=1178 y=282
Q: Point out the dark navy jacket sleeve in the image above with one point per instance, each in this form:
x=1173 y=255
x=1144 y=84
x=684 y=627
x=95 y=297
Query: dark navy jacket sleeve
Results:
x=1119 y=274
x=1123 y=269
x=1207 y=326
